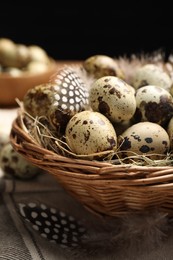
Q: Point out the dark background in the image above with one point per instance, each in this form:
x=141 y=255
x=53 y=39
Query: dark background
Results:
x=70 y=30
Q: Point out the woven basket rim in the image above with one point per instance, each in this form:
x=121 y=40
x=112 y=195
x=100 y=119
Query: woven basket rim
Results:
x=100 y=186
x=16 y=127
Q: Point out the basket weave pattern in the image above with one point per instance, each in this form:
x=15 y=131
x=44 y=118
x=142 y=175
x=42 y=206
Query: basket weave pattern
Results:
x=102 y=187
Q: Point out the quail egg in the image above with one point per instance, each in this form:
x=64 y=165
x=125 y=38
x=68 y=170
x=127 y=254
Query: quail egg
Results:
x=170 y=131
x=151 y=74
x=15 y=72
x=12 y=54
x=4 y=135
x=90 y=132
x=8 y=52
x=14 y=165
x=113 y=97
x=36 y=53
x=153 y=104
x=102 y=65
x=22 y=55
x=38 y=99
x=36 y=67
x=144 y=138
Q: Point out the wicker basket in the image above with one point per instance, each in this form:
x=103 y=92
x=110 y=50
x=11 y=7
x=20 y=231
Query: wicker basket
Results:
x=102 y=187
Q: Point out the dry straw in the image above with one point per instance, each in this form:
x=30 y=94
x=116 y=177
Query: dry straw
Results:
x=110 y=187
x=107 y=187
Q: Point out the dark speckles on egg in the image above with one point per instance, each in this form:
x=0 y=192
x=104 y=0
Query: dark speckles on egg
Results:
x=97 y=134
x=4 y=159
x=70 y=129
x=107 y=79
x=104 y=108
x=159 y=113
x=77 y=122
x=14 y=158
x=86 y=136
x=108 y=86
x=144 y=149
x=58 y=118
x=115 y=99
x=143 y=83
x=112 y=142
x=14 y=165
x=116 y=92
x=73 y=118
x=136 y=137
x=154 y=104
x=165 y=143
x=125 y=144
x=148 y=140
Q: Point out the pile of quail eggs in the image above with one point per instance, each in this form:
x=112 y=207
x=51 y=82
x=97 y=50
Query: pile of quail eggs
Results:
x=17 y=58
x=108 y=114
x=12 y=164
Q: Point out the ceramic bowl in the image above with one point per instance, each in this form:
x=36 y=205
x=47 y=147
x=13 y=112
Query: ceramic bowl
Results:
x=15 y=87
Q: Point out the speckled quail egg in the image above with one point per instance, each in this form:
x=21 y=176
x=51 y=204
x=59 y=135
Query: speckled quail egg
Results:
x=38 y=99
x=144 y=138
x=36 y=67
x=169 y=130
x=4 y=135
x=151 y=74
x=59 y=99
x=12 y=54
x=102 y=65
x=7 y=52
x=36 y=53
x=14 y=165
x=113 y=97
x=90 y=132
x=153 y=104
x=22 y=55
x=15 y=72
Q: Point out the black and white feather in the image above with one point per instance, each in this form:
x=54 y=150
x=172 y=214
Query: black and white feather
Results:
x=54 y=225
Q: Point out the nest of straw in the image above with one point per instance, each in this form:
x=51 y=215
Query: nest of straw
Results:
x=112 y=186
